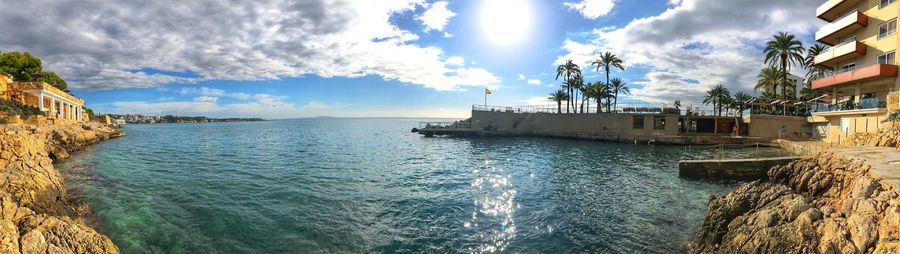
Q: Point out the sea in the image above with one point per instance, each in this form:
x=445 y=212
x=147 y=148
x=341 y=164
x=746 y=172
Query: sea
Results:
x=372 y=186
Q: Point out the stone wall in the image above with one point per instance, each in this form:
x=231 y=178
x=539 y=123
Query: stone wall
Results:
x=893 y=101
x=888 y=136
x=36 y=215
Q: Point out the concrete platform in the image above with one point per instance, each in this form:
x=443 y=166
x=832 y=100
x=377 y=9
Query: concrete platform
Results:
x=885 y=161
x=731 y=169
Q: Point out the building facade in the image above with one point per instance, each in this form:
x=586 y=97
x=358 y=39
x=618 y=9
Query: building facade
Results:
x=53 y=102
x=862 y=40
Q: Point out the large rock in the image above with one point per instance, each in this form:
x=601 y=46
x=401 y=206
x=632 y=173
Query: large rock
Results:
x=826 y=204
x=36 y=216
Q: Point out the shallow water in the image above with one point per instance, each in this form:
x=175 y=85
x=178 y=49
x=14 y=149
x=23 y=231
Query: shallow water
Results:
x=368 y=185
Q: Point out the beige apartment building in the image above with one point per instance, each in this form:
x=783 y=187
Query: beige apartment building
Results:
x=862 y=40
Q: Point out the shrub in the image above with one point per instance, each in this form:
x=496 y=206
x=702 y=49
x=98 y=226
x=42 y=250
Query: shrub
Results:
x=892 y=117
x=16 y=108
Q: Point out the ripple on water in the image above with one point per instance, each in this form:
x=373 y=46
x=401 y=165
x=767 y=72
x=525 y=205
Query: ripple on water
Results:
x=367 y=185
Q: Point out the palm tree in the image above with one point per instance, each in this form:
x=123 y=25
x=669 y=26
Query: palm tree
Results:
x=608 y=60
x=677 y=104
x=717 y=96
x=568 y=70
x=785 y=50
x=815 y=71
x=559 y=96
x=599 y=91
x=578 y=87
x=617 y=85
x=768 y=79
x=740 y=101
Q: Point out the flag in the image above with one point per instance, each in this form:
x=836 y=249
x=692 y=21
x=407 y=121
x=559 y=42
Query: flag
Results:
x=487 y=91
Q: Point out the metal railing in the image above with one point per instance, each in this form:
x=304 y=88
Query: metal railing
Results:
x=630 y=108
x=868 y=103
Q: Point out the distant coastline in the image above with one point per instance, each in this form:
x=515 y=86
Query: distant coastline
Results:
x=142 y=119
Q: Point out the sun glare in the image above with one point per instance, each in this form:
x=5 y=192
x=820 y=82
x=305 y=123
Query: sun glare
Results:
x=505 y=22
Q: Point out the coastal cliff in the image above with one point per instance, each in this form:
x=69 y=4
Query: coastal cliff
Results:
x=36 y=215
x=830 y=203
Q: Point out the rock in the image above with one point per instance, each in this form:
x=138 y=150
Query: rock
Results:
x=36 y=215
x=826 y=204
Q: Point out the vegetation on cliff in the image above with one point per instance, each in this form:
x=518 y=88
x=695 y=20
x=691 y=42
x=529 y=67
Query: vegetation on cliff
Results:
x=16 y=108
x=23 y=66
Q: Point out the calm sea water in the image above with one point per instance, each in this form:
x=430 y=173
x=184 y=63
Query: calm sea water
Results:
x=368 y=185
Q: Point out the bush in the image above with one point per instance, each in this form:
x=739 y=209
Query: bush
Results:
x=892 y=117
x=16 y=108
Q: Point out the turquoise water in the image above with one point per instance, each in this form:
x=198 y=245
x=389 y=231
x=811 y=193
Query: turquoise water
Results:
x=368 y=185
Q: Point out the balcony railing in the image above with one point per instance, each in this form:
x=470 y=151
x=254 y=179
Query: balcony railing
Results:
x=832 y=33
x=869 y=103
x=832 y=9
x=840 y=52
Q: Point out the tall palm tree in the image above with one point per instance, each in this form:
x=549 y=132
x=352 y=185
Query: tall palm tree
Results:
x=578 y=88
x=607 y=61
x=768 y=79
x=559 y=96
x=568 y=70
x=717 y=96
x=815 y=71
x=740 y=101
x=617 y=85
x=785 y=50
x=599 y=91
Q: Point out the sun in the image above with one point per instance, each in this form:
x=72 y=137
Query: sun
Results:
x=506 y=22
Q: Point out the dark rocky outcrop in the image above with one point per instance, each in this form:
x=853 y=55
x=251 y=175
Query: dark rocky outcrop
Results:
x=36 y=216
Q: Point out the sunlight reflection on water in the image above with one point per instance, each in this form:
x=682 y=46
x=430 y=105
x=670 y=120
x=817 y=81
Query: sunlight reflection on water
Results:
x=495 y=206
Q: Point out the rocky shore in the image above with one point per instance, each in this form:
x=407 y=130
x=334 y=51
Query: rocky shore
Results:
x=830 y=203
x=36 y=216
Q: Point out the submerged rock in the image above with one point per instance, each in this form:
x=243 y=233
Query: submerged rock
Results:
x=36 y=216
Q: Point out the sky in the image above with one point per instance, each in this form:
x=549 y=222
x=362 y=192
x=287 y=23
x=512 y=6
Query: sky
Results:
x=389 y=58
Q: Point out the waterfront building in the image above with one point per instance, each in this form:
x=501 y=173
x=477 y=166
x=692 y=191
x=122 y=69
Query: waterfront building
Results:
x=54 y=102
x=862 y=44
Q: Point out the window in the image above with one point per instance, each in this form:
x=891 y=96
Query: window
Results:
x=885 y=3
x=887 y=58
x=848 y=40
x=638 y=122
x=659 y=122
x=887 y=28
x=848 y=67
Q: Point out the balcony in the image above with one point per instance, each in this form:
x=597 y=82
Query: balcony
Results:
x=869 y=104
x=859 y=74
x=832 y=34
x=841 y=53
x=834 y=9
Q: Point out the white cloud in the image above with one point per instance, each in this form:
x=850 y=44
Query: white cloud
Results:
x=206 y=91
x=214 y=40
x=206 y=99
x=436 y=16
x=697 y=44
x=592 y=9
x=521 y=77
x=456 y=61
x=534 y=82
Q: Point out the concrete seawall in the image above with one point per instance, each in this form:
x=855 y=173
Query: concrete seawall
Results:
x=620 y=127
x=732 y=169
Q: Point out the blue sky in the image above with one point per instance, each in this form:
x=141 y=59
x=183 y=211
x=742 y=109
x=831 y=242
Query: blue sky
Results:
x=406 y=58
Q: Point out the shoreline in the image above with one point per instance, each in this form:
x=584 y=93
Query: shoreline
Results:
x=842 y=200
x=39 y=215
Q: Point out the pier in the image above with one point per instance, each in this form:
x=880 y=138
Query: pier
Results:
x=731 y=169
x=458 y=128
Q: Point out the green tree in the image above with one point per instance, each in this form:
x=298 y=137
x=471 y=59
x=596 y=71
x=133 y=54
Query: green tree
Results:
x=784 y=50
x=768 y=79
x=20 y=65
x=51 y=78
x=815 y=71
x=617 y=86
x=717 y=96
x=740 y=101
x=599 y=91
x=568 y=71
x=608 y=61
x=559 y=96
